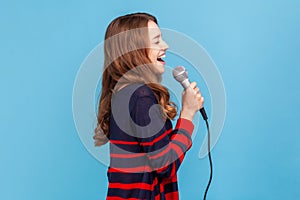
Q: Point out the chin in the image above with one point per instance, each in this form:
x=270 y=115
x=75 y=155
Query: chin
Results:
x=160 y=71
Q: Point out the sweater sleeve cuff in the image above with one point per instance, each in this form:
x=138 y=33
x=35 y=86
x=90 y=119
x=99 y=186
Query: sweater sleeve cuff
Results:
x=185 y=124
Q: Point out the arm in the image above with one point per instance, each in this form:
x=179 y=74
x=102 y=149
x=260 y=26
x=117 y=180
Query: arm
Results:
x=166 y=148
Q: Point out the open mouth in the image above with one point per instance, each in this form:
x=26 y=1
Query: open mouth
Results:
x=159 y=59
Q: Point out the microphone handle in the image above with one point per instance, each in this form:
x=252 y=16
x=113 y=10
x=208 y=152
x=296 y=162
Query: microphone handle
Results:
x=186 y=83
x=203 y=113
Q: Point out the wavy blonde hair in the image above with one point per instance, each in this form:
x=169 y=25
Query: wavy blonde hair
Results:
x=125 y=48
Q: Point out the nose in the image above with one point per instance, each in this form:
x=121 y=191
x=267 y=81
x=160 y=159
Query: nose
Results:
x=164 y=45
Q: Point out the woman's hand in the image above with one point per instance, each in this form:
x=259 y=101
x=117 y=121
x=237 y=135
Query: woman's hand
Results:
x=192 y=101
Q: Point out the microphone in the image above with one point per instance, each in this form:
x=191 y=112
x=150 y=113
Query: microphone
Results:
x=180 y=75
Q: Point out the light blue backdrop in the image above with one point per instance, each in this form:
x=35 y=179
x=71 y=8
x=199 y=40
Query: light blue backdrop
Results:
x=255 y=45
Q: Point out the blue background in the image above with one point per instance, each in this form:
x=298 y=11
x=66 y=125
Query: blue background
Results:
x=255 y=45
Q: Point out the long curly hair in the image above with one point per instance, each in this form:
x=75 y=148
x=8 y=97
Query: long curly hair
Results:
x=126 y=49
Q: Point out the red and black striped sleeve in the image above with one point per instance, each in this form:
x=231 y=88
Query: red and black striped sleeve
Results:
x=164 y=146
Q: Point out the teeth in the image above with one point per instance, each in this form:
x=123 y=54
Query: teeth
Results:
x=163 y=56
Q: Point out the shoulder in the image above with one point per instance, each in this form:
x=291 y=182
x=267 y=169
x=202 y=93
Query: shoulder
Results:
x=141 y=97
x=138 y=96
x=142 y=106
x=138 y=91
x=143 y=90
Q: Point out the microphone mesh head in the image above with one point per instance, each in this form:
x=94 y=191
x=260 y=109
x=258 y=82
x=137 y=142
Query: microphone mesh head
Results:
x=179 y=74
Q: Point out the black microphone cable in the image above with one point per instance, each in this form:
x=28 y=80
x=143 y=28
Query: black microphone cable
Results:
x=204 y=116
x=180 y=75
x=210 y=160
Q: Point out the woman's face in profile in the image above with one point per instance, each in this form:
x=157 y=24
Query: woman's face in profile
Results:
x=158 y=47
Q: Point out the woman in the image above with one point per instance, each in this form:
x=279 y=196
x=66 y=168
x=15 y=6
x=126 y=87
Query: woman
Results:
x=135 y=111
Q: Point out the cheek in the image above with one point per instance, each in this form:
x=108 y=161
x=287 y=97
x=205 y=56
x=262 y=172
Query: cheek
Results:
x=154 y=54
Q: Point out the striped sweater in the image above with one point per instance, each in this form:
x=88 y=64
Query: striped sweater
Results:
x=145 y=151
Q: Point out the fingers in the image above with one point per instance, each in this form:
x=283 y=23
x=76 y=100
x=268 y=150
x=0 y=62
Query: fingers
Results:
x=197 y=90
x=200 y=100
x=200 y=97
x=193 y=85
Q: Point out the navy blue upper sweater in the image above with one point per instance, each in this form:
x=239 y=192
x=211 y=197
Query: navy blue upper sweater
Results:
x=145 y=151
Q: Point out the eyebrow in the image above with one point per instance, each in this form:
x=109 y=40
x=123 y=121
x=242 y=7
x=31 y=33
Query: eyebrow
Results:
x=157 y=36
